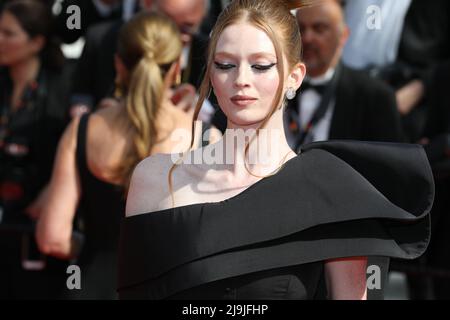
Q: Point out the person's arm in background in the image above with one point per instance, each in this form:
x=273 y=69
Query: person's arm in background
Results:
x=54 y=227
x=346 y=278
x=409 y=96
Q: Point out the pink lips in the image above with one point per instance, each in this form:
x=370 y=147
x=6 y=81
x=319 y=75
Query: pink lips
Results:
x=242 y=101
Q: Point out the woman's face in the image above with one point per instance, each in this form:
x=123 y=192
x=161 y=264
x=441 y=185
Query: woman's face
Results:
x=15 y=44
x=244 y=74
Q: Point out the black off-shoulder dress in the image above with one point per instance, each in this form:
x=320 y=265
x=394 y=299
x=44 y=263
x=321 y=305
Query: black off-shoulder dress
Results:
x=334 y=199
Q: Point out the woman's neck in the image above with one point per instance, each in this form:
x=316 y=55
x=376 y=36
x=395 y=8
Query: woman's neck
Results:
x=24 y=72
x=265 y=153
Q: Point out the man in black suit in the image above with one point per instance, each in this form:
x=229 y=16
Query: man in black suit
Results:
x=336 y=102
x=94 y=78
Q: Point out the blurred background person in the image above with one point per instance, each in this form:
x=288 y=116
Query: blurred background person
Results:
x=376 y=28
x=95 y=157
x=400 y=42
x=94 y=77
x=33 y=104
x=423 y=47
x=336 y=102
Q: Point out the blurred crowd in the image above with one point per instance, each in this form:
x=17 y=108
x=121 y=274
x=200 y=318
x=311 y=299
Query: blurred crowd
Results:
x=72 y=129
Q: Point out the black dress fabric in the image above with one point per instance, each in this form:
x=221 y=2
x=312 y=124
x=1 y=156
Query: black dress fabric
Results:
x=335 y=199
x=102 y=206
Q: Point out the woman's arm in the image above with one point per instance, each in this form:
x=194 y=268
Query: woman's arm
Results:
x=346 y=278
x=54 y=228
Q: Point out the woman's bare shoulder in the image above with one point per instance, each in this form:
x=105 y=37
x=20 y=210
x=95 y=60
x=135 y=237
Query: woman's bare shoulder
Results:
x=149 y=185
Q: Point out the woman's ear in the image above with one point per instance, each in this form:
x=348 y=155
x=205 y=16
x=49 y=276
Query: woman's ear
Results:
x=296 y=76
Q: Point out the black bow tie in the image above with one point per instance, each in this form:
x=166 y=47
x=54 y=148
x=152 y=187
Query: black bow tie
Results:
x=319 y=88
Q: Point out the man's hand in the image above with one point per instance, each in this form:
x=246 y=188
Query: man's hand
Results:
x=185 y=98
x=409 y=96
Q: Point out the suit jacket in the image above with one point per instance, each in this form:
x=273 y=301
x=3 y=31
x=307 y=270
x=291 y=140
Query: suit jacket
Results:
x=425 y=35
x=438 y=121
x=365 y=109
x=94 y=78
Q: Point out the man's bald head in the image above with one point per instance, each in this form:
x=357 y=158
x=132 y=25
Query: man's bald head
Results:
x=187 y=14
x=324 y=33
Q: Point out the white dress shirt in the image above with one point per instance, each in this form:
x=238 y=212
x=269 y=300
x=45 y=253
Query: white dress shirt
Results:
x=368 y=45
x=310 y=101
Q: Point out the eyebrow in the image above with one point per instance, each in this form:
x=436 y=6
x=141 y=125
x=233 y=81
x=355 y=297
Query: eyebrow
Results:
x=253 y=55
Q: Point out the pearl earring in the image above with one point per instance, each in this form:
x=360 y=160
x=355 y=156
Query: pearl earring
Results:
x=290 y=93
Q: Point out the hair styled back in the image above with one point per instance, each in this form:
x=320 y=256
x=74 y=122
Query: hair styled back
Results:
x=36 y=19
x=148 y=45
x=275 y=19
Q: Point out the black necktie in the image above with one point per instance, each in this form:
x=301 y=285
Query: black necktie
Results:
x=319 y=88
x=303 y=134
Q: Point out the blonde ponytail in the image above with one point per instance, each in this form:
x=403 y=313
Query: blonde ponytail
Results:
x=148 y=45
x=142 y=102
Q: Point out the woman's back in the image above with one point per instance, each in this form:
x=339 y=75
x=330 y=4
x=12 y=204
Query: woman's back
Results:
x=108 y=141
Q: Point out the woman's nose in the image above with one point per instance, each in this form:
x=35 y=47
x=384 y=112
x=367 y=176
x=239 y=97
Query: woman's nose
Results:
x=242 y=77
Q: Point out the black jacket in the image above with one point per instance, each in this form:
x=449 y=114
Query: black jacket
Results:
x=365 y=109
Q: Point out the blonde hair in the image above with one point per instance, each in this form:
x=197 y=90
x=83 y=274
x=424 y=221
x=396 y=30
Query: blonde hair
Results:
x=148 y=46
x=275 y=19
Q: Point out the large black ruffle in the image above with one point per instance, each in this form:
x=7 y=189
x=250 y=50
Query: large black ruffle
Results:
x=335 y=199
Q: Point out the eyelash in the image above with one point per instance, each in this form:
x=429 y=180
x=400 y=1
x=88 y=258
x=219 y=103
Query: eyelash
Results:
x=257 y=67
